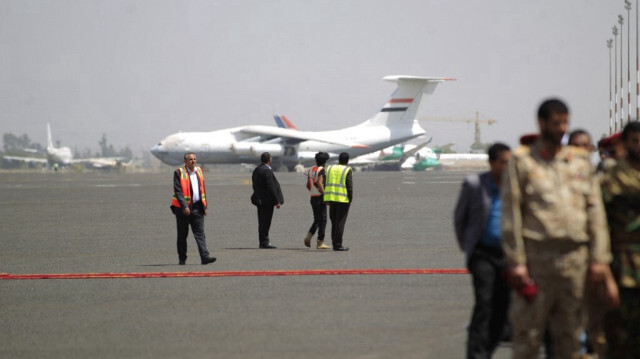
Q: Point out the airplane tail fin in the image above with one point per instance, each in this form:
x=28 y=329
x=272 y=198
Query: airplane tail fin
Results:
x=283 y=122
x=406 y=101
x=49 y=139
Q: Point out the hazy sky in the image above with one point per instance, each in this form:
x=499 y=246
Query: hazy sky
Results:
x=141 y=70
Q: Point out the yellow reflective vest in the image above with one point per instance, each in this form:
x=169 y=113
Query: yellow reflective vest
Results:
x=335 y=188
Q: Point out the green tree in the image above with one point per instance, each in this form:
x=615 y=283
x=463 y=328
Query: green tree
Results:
x=107 y=149
x=17 y=143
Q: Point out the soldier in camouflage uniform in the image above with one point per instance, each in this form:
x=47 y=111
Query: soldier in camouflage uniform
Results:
x=554 y=232
x=621 y=193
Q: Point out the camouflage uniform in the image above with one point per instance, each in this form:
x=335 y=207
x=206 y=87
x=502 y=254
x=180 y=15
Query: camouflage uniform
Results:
x=621 y=193
x=553 y=221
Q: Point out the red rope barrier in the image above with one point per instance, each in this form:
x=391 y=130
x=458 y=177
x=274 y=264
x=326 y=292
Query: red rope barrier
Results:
x=8 y=276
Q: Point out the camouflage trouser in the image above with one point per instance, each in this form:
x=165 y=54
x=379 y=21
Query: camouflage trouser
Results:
x=622 y=326
x=559 y=270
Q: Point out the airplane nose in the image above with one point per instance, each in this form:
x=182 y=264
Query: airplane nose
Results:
x=156 y=151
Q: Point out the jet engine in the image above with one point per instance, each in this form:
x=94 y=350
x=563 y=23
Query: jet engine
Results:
x=255 y=149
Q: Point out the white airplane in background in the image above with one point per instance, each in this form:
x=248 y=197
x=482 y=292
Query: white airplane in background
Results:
x=64 y=157
x=407 y=157
x=395 y=123
x=393 y=158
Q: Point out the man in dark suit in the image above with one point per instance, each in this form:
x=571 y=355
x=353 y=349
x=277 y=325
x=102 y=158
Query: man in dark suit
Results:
x=477 y=225
x=189 y=205
x=266 y=195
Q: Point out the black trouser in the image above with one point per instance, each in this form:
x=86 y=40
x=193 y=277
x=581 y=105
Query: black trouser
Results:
x=265 y=213
x=196 y=220
x=622 y=325
x=319 y=216
x=338 y=213
x=486 y=265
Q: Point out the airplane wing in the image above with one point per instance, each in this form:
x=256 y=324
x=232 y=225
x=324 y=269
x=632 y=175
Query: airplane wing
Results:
x=26 y=159
x=413 y=151
x=375 y=161
x=100 y=162
x=293 y=135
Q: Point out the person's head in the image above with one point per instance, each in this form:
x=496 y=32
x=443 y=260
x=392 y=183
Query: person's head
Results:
x=265 y=158
x=321 y=158
x=499 y=156
x=602 y=149
x=553 y=120
x=631 y=140
x=581 y=138
x=343 y=159
x=614 y=146
x=190 y=160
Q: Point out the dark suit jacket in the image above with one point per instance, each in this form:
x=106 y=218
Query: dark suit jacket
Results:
x=266 y=189
x=177 y=189
x=472 y=211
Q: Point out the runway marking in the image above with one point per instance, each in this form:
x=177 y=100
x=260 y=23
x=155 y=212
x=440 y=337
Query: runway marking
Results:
x=441 y=182
x=8 y=276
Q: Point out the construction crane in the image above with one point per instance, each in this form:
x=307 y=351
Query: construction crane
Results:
x=477 y=143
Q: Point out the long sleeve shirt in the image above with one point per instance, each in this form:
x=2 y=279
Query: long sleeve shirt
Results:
x=552 y=200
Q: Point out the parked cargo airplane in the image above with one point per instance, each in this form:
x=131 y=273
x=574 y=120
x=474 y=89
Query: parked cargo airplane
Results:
x=395 y=123
x=63 y=156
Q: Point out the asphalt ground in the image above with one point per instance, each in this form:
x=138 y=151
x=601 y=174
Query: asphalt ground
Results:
x=121 y=223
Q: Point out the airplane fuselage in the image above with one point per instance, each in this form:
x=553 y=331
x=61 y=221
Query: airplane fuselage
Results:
x=230 y=146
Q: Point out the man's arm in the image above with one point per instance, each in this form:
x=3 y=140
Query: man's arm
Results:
x=349 y=184
x=511 y=222
x=202 y=190
x=598 y=232
x=320 y=182
x=461 y=212
x=597 y=228
x=511 y=212
x=271 y=186
x=177 y=190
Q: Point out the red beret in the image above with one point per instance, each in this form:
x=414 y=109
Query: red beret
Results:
x=528 y=139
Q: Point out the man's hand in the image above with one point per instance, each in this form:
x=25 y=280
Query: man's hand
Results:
x=278 y=205
x=518 y=276
x=206 y=211
x=597 y=272
x=186 y=211
x=600 y=274
x=612 y=295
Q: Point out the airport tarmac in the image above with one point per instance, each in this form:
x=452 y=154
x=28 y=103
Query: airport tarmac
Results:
x=121 y=223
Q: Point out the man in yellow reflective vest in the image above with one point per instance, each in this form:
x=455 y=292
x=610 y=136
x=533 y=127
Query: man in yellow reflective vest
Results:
x=189 y=204
x=338 y=194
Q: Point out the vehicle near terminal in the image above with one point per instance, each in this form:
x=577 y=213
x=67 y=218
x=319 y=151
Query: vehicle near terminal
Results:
x=395 y=123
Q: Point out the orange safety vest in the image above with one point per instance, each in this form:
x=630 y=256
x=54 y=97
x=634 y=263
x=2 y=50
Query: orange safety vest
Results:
x=312 y=178
x=185 y=184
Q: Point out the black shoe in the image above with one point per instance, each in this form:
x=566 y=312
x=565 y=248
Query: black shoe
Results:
x=340 y=249
x=207 y=260
x=268 y=246
x=182 y=262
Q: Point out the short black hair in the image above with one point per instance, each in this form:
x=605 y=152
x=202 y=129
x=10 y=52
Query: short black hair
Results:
x=631 y=127
x=265 y=157
x=321 y=158
x=343 y=159
x=495 y=150
x=550 y=107
x=189 y=153
x=576 y=133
